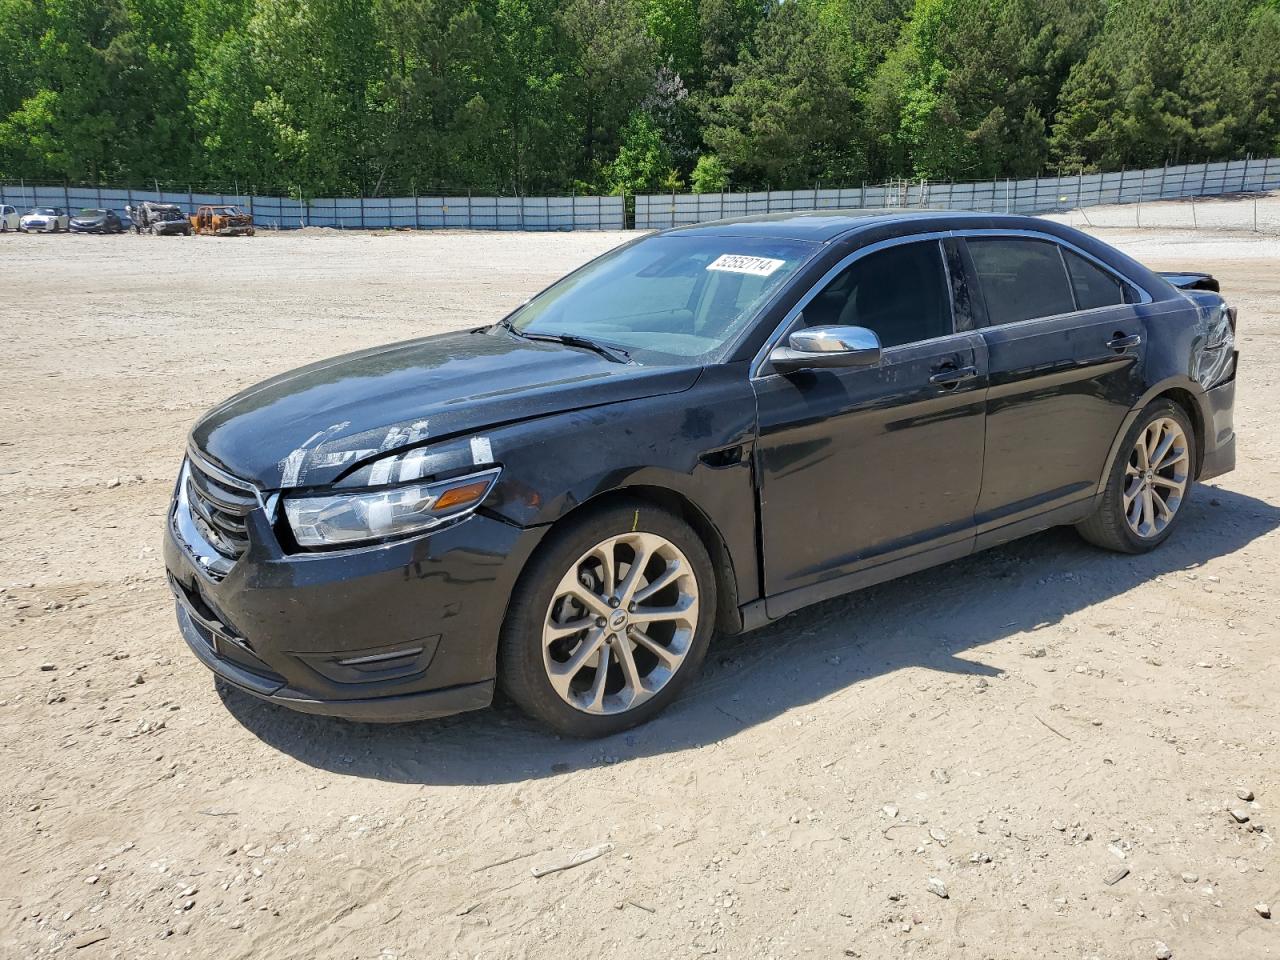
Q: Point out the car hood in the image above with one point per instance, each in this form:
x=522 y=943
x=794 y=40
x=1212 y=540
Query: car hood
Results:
x=88 y=221
x=309 y=426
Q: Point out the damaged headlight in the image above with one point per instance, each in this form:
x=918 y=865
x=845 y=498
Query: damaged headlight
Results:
x=344 y=518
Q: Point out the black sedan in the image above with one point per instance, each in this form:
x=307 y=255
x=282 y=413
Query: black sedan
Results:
x=96 y=220
x=700 y=431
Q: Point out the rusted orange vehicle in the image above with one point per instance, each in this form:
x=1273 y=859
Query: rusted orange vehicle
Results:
x=222 y=221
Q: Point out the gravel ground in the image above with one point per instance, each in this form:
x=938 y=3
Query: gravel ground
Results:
x=1015 y=730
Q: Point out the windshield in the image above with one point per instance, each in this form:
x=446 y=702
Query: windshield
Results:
x=90 y=212
x=672 y=297
x=45 y=212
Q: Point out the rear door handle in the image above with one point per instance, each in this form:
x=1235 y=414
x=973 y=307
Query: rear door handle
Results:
x=951 y=376
x=1123 y=342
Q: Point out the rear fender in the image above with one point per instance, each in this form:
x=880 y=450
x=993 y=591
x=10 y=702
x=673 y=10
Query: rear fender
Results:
x=1180 y=389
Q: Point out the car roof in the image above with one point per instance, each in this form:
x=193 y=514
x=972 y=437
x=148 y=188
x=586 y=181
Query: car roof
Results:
x=824 y=226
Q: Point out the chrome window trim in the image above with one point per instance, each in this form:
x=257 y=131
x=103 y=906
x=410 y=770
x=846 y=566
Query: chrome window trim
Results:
x=762 y=355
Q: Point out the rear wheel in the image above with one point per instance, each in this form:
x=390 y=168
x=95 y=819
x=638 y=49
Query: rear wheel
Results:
x=609 y=622
x=1148 y=486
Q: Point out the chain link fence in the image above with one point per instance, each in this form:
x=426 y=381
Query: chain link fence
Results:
x=1032 y=196
x=1129 y=189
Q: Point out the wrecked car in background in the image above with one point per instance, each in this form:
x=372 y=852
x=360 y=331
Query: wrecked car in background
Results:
x=704 y=429
x=222 y=221
x=160 y=219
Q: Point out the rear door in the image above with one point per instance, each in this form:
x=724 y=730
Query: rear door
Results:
x=1064 y=346
x=860 y=467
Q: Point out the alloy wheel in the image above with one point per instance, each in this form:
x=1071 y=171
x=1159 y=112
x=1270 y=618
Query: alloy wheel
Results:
x=1155 y=478
x=620 y=623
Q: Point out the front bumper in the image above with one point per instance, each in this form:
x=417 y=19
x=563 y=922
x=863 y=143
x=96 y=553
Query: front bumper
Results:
x=389 y=632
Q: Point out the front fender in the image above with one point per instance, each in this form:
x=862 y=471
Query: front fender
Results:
x=695 y=444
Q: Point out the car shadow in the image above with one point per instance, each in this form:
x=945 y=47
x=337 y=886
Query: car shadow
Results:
x=925 y=620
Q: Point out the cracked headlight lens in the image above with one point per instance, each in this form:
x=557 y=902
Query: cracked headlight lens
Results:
x=344 y=518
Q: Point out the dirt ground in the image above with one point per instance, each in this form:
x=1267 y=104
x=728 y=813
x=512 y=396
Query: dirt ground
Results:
x=1022 y=725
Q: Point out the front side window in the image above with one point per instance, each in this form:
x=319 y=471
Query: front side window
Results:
x=900 y=293
x=1020 y=279
x=668 y=297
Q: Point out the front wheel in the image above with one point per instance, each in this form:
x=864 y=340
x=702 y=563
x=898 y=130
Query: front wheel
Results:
x=1149 y=483
x=610 y=620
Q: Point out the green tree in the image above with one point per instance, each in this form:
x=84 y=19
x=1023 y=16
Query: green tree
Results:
x=790 y=114
x=973 y=84
x=642 y=162
x=611 y=71
x=710 y=175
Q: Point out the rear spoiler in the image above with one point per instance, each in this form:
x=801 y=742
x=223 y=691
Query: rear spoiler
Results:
x=1192 y=281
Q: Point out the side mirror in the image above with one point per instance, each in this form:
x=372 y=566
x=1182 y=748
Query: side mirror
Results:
x=824 y=347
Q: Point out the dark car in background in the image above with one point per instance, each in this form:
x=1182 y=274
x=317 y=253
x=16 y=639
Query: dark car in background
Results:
x=97 y=220
x=705 y=429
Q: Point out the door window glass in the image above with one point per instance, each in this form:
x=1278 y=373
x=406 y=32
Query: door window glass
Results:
x=1094 y=287
x=1020 y=279
x=900 y=293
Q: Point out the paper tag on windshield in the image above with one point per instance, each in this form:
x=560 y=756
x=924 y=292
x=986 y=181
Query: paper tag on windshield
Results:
x=737 y=263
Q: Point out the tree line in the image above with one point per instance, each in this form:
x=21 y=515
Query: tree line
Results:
x=379 y=97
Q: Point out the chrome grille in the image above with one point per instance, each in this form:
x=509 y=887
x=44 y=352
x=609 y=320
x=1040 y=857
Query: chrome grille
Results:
x=219 y=505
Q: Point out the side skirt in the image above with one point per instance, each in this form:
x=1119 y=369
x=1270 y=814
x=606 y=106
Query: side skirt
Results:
x=758 y=613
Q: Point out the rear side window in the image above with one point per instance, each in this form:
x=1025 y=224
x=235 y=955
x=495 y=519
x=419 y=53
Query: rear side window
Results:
x=901 y=293
x=1020 y=279
x=1093 y=286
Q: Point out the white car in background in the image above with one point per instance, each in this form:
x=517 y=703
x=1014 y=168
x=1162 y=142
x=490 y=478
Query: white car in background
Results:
x=44 y=220
x=9 y=219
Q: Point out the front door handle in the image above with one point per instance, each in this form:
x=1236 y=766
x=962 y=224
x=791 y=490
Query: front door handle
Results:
x=951 y=376
x=1120 y=342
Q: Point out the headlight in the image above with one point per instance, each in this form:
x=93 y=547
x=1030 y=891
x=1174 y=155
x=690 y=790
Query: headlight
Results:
x=333 y=519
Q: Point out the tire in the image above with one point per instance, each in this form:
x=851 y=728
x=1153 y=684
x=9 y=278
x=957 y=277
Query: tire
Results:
x=566 y=566
x=1132 y=479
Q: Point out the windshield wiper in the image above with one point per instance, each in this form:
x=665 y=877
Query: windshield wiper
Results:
x=616 y=354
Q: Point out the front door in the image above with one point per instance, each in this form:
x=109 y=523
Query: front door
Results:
x=860 y=467
x=1065 y=344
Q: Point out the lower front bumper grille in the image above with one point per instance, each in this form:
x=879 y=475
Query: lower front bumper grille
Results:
x=222 y=641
